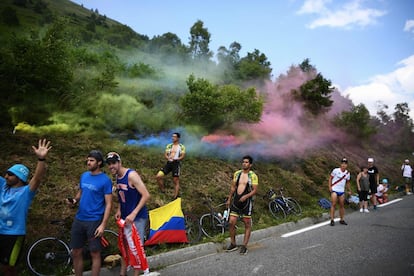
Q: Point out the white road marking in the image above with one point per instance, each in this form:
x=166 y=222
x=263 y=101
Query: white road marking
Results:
x=256 y=269
x=389 y=202
x=327 y=222
x=312 y=246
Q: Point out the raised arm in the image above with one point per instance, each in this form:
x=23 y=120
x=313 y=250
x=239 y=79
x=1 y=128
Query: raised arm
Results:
x=41 y=152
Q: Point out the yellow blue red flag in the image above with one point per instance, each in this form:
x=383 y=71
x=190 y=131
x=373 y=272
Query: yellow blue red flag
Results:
x=167 y=224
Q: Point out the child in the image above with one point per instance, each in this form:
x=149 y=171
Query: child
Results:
x=382 y=190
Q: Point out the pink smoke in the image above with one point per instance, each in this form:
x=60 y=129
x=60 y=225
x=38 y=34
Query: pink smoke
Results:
x=284 y=129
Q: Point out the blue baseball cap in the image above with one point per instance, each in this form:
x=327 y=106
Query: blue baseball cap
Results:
x=21 y=171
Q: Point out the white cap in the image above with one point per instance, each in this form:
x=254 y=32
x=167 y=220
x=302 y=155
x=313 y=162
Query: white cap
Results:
x=371 y=160
x=407 y=161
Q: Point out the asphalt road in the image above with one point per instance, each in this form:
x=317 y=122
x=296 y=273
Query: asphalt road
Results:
x=378 y=243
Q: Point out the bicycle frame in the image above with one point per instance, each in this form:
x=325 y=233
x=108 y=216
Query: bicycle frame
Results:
x=280 y=205
x=213 y=223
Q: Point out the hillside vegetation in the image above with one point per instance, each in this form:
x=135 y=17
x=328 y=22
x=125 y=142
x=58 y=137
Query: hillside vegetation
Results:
x=84 y=81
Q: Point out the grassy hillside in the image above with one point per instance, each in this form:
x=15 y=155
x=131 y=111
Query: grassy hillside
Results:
x=304 y=179
x=303 y=176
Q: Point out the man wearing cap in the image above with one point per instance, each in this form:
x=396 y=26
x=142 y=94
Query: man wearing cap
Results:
x=407 y=172
x=338 y=179
x=95 y=203
x=373 y=181
x=132 y=197
x=16 y=196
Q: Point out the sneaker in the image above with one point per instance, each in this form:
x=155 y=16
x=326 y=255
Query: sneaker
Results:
x=243 y=250
x=332 y=222
x=366 y=211
x=361 y=210
x=375 y=207
x=231 y=247
x=343 y=222
x=409 y=193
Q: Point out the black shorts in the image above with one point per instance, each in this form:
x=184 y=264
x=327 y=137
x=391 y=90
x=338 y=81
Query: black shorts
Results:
x=373 y=188
x=241 y=209
x=10 y=249
x=172 y=166
x=363 y=195
x=82 y=233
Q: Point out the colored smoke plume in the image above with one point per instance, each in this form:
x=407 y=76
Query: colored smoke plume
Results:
x=285 y=129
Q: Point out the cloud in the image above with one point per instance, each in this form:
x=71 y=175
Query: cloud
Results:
x=348 y=15
x=409 y=26
x=390 y=89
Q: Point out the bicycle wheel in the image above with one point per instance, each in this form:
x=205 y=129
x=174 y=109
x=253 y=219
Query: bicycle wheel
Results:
x=276 y=210
x=211 y=225
x=292 y=206
x=49 y=256
x=192 y=228
x=111 y=247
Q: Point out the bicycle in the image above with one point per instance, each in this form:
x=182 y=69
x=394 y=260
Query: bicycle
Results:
x=281 y=206
x=192 y=228
x=214 y=223
x=52 y=255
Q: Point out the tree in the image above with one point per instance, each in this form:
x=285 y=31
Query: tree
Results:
x=315 y=94
x=228 y=60
x=403 y=127
x=254 y=66
x=306 y=67
x=34 y=72
x=199 y=42
x=356 y=122
x=9 y=16
x=213 y=106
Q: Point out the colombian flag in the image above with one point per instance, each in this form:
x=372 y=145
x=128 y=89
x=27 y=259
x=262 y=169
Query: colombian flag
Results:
x=167 y=224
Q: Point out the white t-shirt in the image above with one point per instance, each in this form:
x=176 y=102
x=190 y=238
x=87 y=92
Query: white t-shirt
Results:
x=407 y=170
x=381 y=189
x=340 y=178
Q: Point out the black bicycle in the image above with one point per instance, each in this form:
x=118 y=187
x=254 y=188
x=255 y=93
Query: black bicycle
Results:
x=52 y=255
x=281 y=206
x=214 y=223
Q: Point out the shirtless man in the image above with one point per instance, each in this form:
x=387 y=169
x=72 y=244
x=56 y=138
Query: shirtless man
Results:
x=174 y=153
x=240 y=201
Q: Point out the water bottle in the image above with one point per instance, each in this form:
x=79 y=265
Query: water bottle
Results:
x=219 y=216
x=225 y=214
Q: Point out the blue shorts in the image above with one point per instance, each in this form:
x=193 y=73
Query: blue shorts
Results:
x=338 y=193
x=82 y=233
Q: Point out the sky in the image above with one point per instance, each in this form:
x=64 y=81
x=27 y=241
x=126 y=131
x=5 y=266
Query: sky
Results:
x=364 y=47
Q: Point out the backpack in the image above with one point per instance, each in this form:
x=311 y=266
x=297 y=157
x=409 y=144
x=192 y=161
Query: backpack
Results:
x=324 y=203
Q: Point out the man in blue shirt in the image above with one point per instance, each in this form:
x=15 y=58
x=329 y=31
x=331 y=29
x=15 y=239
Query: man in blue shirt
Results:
x=16 y=196
x=95 y=203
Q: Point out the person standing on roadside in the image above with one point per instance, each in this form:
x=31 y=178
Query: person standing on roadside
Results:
x=240 y=202
x=16 y=196
x=174 y=153
x=132 y=196
x=407 y=173
x=363 y=189
x=373 y=181
x=338 y=179
x=95 y=203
